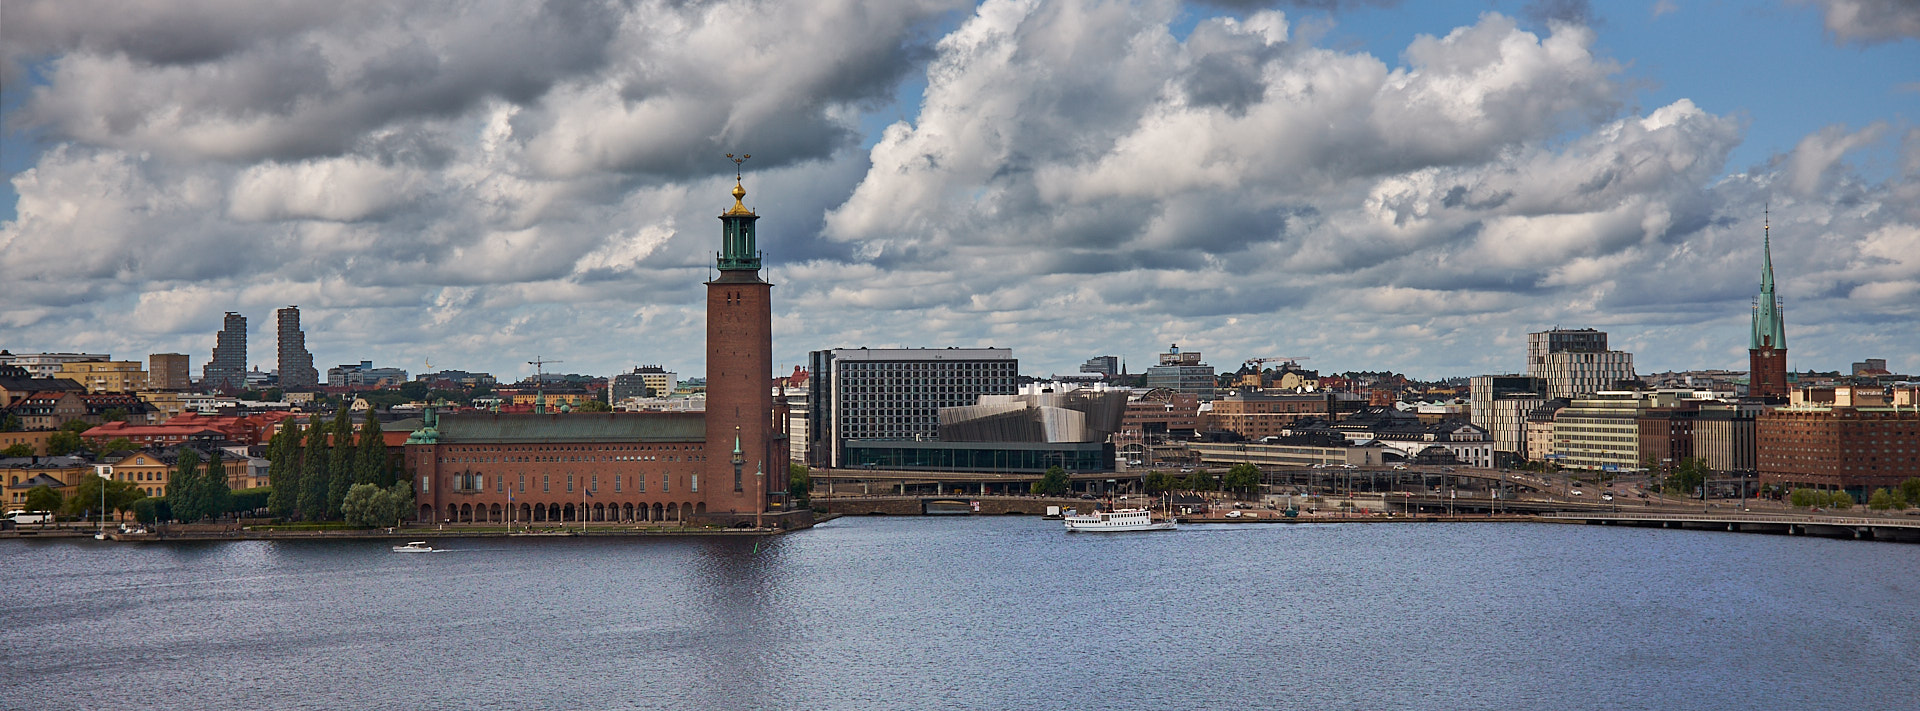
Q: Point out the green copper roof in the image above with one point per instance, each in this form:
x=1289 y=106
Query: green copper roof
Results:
x=738 y=250
x=1768 y=328
x=471 y=427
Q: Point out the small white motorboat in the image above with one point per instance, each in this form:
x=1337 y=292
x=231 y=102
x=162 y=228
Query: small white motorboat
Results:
x=414 y=547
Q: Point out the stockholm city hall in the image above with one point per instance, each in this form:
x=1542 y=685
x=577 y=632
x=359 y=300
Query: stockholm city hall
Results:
x=726 y=466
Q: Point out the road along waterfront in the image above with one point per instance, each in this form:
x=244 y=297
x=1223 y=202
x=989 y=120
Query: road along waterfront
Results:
x=975 y=612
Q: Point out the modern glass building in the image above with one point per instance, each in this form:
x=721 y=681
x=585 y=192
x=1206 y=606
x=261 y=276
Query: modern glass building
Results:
x=1016 y=457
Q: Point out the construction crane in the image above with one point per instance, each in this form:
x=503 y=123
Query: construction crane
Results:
x=540 y=384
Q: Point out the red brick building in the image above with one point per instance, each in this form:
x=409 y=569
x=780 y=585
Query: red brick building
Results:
x=1853 y=448
x=726 y=465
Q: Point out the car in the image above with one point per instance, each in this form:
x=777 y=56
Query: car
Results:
x=1607 y=496
x=1319 y=466
x=1233 y=514
x=1348 y=466
x=1399 y=466
x=1576 y=492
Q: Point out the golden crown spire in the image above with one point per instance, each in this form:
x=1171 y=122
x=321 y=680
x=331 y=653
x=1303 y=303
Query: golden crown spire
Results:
x=739 y=192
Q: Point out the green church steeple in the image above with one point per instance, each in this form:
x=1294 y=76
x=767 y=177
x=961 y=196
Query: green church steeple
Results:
x=1769 y=330
x=738 y=249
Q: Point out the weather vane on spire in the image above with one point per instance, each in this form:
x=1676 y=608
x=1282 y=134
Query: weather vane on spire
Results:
x=736 y=164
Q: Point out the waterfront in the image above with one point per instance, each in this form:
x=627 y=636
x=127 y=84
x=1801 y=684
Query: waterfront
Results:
x=997 y=612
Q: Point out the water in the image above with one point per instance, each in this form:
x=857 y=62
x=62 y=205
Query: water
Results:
x=994 y=613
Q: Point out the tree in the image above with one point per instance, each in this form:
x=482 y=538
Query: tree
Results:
x=799 y=481
x=85 y=499
x=215 y=493
x=1910 y=491
x=114 y=414
x=184 y=491
x=11 y=423
x=1841 y=499
x=1052 y=483
x=1881 y=499
x=415 y=390
x=1158 y=482
x=119 y=444
x=312 y=501
x=19 y=450
x=340 y=461
x=151 y=510
x=1200 y=480
x=63 y=443
x=595 y=405
x=366 y=506
x=370 y=460
x=44 y=498
x=75 y=426
x=1241 y=478
x=1688 y=477
x=283 y=471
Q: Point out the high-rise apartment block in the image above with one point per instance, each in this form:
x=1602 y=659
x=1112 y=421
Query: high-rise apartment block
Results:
x=1576 y=363
x=169 y=372
x=896 y=393
x=297 y=373
x=228 y=368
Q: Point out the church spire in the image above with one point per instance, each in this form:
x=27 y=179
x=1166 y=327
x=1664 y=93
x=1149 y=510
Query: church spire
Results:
x=1769 y=331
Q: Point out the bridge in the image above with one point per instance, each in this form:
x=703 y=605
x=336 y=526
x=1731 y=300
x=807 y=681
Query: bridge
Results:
x=901 y=482
x=1905 y=530
x=949 y=505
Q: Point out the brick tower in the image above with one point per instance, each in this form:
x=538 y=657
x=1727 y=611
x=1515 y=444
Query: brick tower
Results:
x=1767 y=351
x=741 y=469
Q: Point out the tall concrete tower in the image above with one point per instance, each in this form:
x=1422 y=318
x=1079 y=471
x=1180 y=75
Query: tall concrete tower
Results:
x=297 y=373
x=227 y=370
x=1767 y=350
x=741 y=467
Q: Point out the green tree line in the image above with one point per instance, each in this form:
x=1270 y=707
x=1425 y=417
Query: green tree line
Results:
x=314 y=471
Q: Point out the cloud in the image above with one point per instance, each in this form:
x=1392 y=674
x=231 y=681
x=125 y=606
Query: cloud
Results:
x=482 y=184
x=1663 y=8
x=1869 y=22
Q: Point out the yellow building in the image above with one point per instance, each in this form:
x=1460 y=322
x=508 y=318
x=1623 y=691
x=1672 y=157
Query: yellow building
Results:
x=106 y=376
x=166 y=405
x=60 y=474
x=554 y=400
x=36 y=439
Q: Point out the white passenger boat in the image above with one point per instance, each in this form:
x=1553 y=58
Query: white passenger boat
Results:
x=1121 y=520
x=414 y=547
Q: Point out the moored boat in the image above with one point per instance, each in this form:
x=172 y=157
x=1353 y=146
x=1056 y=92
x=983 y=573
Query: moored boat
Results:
x=1116 y=521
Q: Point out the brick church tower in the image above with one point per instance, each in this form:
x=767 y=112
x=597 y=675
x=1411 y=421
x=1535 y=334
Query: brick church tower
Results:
x=1767 y=351
x=741 y=469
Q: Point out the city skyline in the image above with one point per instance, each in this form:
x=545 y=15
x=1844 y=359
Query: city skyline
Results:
x=1378 y=186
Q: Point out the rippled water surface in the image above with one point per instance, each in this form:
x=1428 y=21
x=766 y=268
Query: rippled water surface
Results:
x=997 y=613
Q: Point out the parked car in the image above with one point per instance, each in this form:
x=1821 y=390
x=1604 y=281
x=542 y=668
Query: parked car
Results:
x=1576 y=492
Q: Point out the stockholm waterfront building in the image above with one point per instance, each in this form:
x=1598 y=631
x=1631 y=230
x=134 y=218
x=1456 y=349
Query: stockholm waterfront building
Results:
x=895 y=393
x=228 y=367
x=1576 y=363
x=297 y=373
x=724 y=466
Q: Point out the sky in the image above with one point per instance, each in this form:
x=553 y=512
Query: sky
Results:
x=1364 y=184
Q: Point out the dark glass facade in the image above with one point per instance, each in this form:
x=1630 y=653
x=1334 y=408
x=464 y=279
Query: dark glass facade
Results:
x=1028 y=457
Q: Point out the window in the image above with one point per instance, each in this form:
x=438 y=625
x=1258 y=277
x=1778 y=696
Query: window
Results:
x=666 y=483
x=569 y=482
x=545 y=484
x=696 y=484
x=426 y=485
